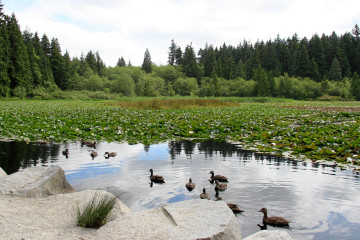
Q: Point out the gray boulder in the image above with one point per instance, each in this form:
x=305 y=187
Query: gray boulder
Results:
x=269 y=235
x=193 y=219
x=36 y=182
x=2 y=173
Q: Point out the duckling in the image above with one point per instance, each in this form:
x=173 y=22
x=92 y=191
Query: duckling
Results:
x=66 y=153
x=204 y=195
x=110 y=154
x=274 y=221
x=235 y=208
x=91 y=144
x=220 y=186
x=220 y=178
x=190 y=185
x=156 y=178
x=93 y=154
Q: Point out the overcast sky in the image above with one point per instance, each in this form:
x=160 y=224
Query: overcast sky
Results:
x=126 y=28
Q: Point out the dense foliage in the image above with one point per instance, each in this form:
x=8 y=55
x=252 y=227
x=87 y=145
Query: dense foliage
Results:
x=318 y=130
x=31 y=66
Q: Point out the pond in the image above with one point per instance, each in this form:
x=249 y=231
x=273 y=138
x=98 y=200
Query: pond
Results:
x=321 y=201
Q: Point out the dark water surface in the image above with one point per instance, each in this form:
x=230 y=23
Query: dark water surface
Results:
x=322 y=202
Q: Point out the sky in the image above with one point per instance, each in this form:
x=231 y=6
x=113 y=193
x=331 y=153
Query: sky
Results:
x=126 y=28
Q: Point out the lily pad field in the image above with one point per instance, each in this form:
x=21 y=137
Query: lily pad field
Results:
x=301 y=129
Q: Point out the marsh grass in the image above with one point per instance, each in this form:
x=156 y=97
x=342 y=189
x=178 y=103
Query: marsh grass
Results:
x=168 y=104
x=96 y=212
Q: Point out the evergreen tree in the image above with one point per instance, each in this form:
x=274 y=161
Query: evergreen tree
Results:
x=4 y=55
x=355 y=86
x=100 y=65
x=34 y=59
x=44 y=64
x=189 y=64
x=147 y=64
x=303 y=68
x=262 y=88
x=335 y=71
x=91 y=61
x=19 y=70
x=240 y=70
x=209 y=62
x=316 y=52
x=271 y=60
x=172 y=53
x=58 y=65
x=121 y=62
x=45 y=44
x=356 y=31
x=178 y=56
x=293 y=55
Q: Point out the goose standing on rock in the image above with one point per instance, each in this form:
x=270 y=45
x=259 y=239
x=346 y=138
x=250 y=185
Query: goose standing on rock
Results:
x=156 y=178
x=220 y=186
x=220 y=178
x=190 y=185
x=274 y=221
x=204 y=195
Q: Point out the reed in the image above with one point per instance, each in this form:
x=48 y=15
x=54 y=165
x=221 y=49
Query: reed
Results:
x=96 y=212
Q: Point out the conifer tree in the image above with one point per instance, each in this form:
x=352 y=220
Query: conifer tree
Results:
x=121 y=62
x=303 y=62
x=189 y=65
x=262 y=88
x=100 y=65
x=4 y=55
x=147 y=64
x=91 y=61
x=58 y=65
x=335 y=71
x=34 y=59
x=19 y=70
x=355 y=86
x=209 y=61
x=172 y=53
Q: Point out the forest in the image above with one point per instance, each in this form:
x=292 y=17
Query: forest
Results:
x=323 y=67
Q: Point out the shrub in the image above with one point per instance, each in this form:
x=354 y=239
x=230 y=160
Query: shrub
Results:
x=96 y=212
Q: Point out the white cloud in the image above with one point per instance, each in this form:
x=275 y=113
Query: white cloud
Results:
x=126 y=28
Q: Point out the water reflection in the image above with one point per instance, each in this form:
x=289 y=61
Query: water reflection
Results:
x=320 y=200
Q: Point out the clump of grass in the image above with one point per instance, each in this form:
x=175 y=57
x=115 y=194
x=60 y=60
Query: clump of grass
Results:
x=96 y=212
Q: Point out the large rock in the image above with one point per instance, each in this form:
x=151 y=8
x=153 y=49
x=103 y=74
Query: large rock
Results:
x=2 y=173
x=193 y=219
x=269 y=235
x=48 y=217
x=36 y=182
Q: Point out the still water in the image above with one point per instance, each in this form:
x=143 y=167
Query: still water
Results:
x=322 y=202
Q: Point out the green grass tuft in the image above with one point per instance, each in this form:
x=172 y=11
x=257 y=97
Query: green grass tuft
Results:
x=96 y=212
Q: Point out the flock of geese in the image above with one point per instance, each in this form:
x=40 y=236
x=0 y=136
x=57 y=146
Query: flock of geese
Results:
x=220 y=186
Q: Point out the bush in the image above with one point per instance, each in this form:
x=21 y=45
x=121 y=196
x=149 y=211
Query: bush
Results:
x=20 y=92
x=96 y=212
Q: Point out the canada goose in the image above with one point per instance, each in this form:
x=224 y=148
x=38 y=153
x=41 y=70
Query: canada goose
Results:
x=110 y=154
x=274 y=221
x=218 y=177
x=220 y=186
x=204 y=195
x=156 y=178
x=190 y=185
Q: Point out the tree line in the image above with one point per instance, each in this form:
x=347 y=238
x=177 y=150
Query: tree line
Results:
x=34 y=66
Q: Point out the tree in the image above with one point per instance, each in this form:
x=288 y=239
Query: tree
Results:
x=355 y=86
x=19 y=69
x=356 y=31
x=172 y=53
x=209 y=62
x=262 y=88
x=189 y=65
x=186 y=86
x=121 y=62
x=335 y=71
x=147 y=64
x=4 y=56
x=58 y=65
